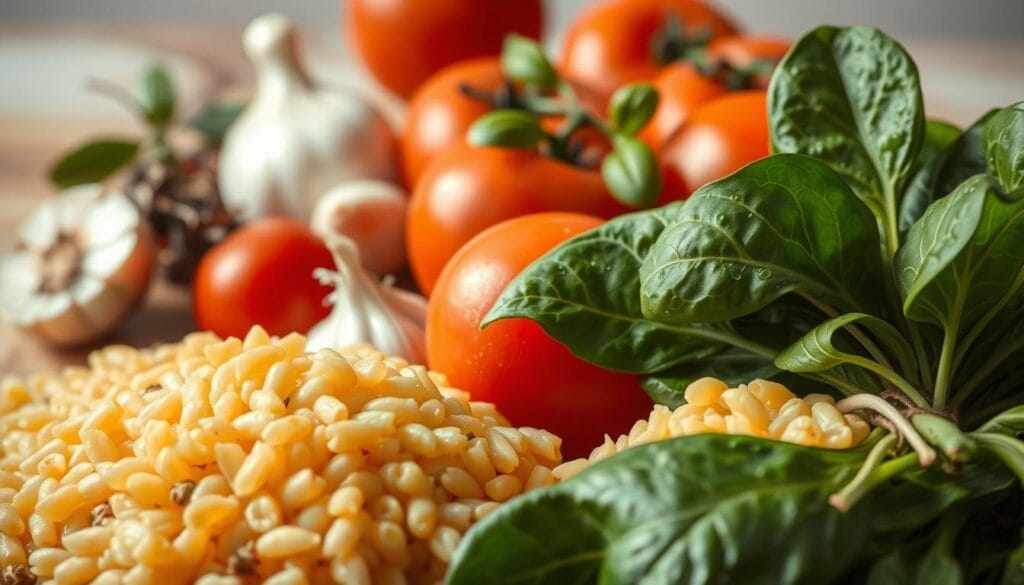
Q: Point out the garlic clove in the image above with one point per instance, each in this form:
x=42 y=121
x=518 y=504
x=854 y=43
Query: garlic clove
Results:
x=370 y=213
x=84 y=262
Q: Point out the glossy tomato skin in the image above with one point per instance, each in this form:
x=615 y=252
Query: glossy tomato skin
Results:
x=534 y=380
x=467 y=189
x=439 y=113
x=718 y=139
x=262 y=274
x=681 y=90
x=609 y=44
x=403 y=42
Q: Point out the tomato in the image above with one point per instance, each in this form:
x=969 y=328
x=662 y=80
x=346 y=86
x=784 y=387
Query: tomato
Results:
x=610 y=44
x=742 y=51
x=719 y=138
x=534 y=380
x=681 y=90
x=403 y=42
x=439 y=114
x=262 y=274
x=467 y=189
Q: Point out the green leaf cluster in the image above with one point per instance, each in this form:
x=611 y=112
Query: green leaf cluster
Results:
x=876 y=252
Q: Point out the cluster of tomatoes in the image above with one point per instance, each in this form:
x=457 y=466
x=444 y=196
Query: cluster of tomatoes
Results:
x=479 y=215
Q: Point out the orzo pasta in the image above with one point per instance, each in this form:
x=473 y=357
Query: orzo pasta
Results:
x=231 y=461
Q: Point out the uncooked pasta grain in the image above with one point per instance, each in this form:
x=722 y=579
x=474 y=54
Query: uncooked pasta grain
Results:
x=240 y=461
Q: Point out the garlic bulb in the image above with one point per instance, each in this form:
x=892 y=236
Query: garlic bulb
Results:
x=372 y=215
x=83 y=262
x=295 y=140
x=368 y=311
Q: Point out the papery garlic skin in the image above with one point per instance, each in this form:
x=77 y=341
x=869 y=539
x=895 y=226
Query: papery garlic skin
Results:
x=368 y=311
x=371 y=214
x=83 y=263
x=295 y=141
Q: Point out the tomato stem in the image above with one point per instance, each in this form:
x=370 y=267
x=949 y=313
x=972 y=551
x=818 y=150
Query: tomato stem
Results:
x=845 y=498
x=925 y=454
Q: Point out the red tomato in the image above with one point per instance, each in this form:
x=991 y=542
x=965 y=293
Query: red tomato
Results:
x=610 y=44
x=719 y=138
x=741 y=51
x=533 y=379
x=439 y=114
x=467 y=189
x=262 y=274
x=403 y=42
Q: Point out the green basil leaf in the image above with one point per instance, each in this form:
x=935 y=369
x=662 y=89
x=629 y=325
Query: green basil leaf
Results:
x=631 y=106
x=920 y=192
x=1004 y=148
x=92 y=162
x=586 y=294
x=523 y=61
x=1009 y=423
x=728 y=509
x=1009 y=450
x=954 y=264
x=817 y=352
x=960 y=161
x=214 y=120
x=733 y=366
x=1013 y=574
x=782 y=224
x=851 y=97
x=156 y=96
x=507 y=129
x=631 y=173
x=915 y=564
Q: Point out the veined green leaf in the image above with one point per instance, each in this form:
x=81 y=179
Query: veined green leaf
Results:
x=586 y=294
x=920 y=191
x=507 y=129
x=732 y=366
x=851 y=97
x=720 y=508
x=1004 y=148
x=1009 y=423
x=956 y=260
x=961 y=160
x=782 y=224
x=631 y=173
x=1009 y=450
x=816 y=351
x=93 y=162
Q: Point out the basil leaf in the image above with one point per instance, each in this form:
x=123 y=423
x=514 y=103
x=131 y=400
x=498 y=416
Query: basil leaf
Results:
x=919 y=565
x=733 y=366
x=523 y=61
x=731 y=509
x=507 y=129
x=631 y=173
x=954 y=264
x=961 y=160
x=631 y=106
x=816 y=352
x=1013 y=574
x=156 y=96
x=920 y=192
x=92 y=162
x=782 y=224
x=1009 y=423
x=851 y=97
x=214 y=120
x=586 y=294
x=1004 y=147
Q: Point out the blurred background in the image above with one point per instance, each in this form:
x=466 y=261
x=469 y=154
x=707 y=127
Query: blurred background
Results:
x=971 y=57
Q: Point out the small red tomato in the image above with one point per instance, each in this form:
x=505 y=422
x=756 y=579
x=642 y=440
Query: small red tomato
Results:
x=262 y=274
x=615 y=42
x=718 y=139
x=533 y=379
x=467 y=189
x=403 y=42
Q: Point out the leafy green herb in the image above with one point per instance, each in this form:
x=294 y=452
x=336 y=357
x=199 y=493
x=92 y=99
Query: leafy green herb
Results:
x=1004 y=148
x=746 y=240
x=523 y=60
x=508 y=129
x=939 y=137
x=93 y=162
x=631 y=172
x=156 y=96
x=680 y=511
x=631 y=106
x=214 y=120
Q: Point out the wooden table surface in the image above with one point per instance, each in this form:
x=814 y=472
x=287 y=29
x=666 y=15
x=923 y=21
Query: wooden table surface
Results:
x=44 y=110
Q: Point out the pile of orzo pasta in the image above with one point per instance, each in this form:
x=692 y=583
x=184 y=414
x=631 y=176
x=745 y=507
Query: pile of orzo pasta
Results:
x=245 y=461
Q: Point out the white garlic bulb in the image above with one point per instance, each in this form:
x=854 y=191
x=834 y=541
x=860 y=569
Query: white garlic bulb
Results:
x=83 y=263
x=296 y=140
x=368 y=311
x=372 y=215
